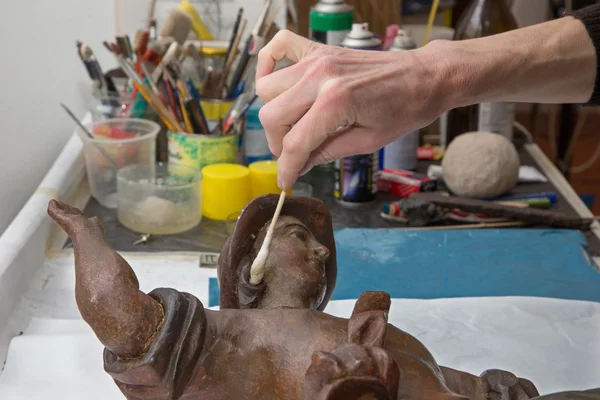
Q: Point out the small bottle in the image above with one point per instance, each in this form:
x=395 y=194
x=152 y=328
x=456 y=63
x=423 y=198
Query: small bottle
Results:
x=483 y=18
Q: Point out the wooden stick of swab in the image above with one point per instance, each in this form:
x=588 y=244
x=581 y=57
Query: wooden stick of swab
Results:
x=257 y=270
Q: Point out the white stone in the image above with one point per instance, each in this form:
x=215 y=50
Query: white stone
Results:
x=481 y=165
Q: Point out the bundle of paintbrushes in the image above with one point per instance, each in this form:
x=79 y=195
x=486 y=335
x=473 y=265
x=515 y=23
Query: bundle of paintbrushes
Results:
x=168 y=72
x=235 y=74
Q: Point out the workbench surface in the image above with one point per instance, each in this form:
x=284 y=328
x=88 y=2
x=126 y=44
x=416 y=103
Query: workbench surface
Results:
x=210 y=235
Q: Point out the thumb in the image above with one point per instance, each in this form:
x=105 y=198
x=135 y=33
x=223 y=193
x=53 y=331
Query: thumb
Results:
x=284 y=44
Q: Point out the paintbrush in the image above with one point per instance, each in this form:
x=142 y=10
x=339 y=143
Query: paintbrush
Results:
x=90 y=135
x=234 y=32
x=142 y=43
x=92 y=65
x=146 y=73
x=257 y=270
x=197 y=117
x=172 y=100
x=260 y=23
x=154 y=53
x=237 y=112
x=195 y=95
x=198 y=61
x=153 y=31
x=155 y=102
x=269 y=22
x=178 y=25
x=107 y=45
x=245 y=56
x=431 y=21
x=183 y=96
x=123 y=46
x=229 y=61
x=169 y=57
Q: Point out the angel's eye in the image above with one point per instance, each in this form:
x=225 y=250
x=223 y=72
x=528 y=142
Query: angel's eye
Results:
x=298 y=234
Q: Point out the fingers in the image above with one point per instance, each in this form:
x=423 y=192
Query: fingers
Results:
x=279 y=115
x=329 y=111
x=271 y=86
x=349 y=142
x=284 y=45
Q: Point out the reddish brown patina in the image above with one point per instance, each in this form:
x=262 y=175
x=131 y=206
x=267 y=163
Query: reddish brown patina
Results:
x=270 y=341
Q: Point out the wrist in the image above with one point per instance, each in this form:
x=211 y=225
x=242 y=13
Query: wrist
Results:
x=451 y=78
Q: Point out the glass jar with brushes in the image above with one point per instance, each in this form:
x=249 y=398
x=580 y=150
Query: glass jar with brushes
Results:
x=122 y=102
x=126 y=103
x=214 y=63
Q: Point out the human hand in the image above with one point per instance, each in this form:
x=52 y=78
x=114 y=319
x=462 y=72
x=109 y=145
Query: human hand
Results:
x=335 y=102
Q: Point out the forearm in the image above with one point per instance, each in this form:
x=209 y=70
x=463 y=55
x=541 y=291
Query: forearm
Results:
x=554 y=62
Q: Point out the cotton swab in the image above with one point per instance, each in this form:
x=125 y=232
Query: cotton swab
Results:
x=257 y=270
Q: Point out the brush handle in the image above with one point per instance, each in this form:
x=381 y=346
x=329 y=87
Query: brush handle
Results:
x=261 y=19
x=241 y=67
x=229 y=61
x=196 y=96
x=234 y=33
x=172 y=99
x=236 y=115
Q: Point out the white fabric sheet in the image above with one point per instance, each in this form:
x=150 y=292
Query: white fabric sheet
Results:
x=555 y=343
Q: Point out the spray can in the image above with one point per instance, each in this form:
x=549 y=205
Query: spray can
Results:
x=356 y=179
x=361 y=38
x=356 y=176
x=330 y=21
x=401 y=154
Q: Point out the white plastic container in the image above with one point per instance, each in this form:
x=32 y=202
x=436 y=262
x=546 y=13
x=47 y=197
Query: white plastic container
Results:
x=117 y=143
x=402 y=153
x=161 y=199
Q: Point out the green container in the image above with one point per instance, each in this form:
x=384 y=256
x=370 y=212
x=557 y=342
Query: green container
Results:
x=330 y=22
x=198 y=151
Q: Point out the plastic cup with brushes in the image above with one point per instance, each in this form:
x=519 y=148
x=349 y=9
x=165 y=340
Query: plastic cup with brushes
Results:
x=111 y=145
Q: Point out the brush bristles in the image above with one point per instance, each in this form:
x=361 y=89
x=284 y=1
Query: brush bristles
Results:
x=86 y=52
x=178 y=25
x=157 y=47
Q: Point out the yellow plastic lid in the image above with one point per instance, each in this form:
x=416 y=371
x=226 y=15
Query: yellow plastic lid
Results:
x=225 y=171
x=263 y=177
x=225 y=190
x=264 y=167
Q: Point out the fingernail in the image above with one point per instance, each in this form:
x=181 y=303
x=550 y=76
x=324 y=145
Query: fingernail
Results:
x=306 y=169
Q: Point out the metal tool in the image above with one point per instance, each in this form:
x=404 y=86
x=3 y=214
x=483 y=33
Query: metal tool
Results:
x=143 y=239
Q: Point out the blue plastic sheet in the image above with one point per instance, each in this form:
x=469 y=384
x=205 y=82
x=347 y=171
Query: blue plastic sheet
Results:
x=462 y=263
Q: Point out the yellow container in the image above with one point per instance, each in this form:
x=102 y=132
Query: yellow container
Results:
x=263 y=178
x=214 y=110
x=225 y=190
x=198 y=151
